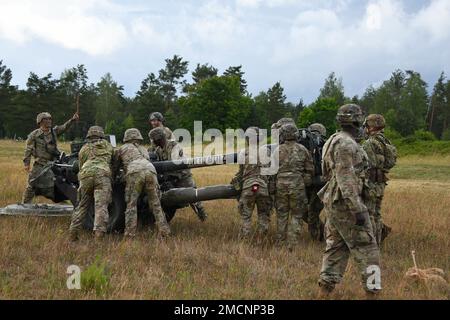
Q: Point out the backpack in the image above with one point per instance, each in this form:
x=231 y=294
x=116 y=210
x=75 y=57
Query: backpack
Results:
x=390 y=153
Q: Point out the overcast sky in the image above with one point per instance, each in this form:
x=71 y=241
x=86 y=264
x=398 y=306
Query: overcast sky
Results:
x=296 y=42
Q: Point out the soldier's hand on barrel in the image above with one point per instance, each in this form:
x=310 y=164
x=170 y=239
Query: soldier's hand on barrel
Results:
x=76 y=117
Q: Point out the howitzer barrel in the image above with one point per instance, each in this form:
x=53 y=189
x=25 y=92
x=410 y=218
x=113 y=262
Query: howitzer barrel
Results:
x=184 y=196
x=198 y=162
x=191 y=163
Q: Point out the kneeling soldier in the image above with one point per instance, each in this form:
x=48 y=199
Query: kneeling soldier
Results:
x=95 y=182
x=140 y=176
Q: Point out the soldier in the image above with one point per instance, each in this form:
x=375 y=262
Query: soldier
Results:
x=348 y=229
x=254 y=190
x=95 y=182
x=140 y=176
x=294 y=175
x=382 y=157
x=315 y=206
x=42 y=145
x=171 y=150
x=156 y=120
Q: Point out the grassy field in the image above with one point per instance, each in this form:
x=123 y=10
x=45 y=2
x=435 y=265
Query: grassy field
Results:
x=206 y=260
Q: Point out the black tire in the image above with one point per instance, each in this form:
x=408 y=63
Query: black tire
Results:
x=145 y=217
x=116 y=210
x=116 y=223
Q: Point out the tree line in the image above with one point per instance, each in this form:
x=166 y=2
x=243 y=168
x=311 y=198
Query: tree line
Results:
x=220 y=100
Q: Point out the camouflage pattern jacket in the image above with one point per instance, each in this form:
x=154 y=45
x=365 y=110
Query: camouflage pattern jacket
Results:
x=344 y=167
x=132 y=157
x=169 y=136
x=95 y=159
x=43 y=146
x=375 y=149
x=173 y=151
x=249 y=173
x=295 y=164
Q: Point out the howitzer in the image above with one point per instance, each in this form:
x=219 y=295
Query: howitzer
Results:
x=66 y=183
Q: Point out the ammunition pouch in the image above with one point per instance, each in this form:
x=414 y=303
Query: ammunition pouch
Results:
x=236 y=182
x=377 y=175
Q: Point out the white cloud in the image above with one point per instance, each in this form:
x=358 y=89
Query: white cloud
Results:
x=435 y=20
x=82 y=25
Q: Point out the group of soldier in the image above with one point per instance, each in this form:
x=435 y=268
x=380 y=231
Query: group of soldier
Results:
x=100 y=164
x=345 y=180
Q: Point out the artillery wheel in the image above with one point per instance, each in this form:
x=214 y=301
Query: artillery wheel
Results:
x=116 y=223
x=116 y=209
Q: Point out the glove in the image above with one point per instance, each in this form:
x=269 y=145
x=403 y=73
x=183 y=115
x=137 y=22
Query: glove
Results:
x=360 y=218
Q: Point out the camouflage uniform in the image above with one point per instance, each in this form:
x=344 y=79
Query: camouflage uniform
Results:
x=95 y=182
x=169 y=136
x=375 y=147
x=180 y=178
x=344 y=168
x=43 y=147
x=140 y=176
x=294 y=175
x=255 y=191
x=315 y=225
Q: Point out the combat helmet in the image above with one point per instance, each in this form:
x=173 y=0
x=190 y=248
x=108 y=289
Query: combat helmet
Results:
x=95 y=131
x=289 y=131
x=318 y=127
x=132 y=134
x=350 y=115
x=157 y=134
x=41 y=116
x=281 y=122
x=156 y=116
x=375 y=121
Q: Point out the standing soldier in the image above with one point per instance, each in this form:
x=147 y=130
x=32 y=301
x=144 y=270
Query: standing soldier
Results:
x=42 y=145
x=140 y=176
x=95 y=182
x=294 y=175
x=254 y=189
x=348 y=229
x=171 y=150
x=382 y=157
x=156 y=120
x=315 y=206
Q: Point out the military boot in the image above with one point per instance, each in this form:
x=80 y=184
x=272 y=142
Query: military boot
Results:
x=325 y=290
x=73 y=236
x=385 y=231
x=99 y=234
x=372 y=295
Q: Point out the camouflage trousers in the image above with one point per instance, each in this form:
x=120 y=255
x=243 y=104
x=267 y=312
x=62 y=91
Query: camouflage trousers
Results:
x=291 y=204
x=247 y=202
x=344 y=238
x=137 y=183
x=46 y=185
x=373 y=203
x=312 y=217
x=98 y=189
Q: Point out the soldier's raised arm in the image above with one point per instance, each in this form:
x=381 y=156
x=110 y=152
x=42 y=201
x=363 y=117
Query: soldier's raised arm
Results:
x=63 y=128
x=29 y=149
x=347 y=179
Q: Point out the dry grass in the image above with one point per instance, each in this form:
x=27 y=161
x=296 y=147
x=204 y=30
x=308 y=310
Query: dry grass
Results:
x=206 y=260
